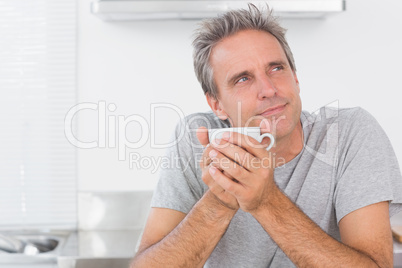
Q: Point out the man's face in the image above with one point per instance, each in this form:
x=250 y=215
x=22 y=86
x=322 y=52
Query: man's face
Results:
x=255 y=81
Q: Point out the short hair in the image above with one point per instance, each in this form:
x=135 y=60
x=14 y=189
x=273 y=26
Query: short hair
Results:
x=213 y=30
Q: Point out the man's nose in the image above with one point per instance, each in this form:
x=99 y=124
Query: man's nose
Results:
x=266 y=88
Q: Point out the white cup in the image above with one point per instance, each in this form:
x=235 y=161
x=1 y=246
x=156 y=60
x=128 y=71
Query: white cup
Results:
x=254 y=132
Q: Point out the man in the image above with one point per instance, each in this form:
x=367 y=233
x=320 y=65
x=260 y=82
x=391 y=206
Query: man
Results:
x=321 y=197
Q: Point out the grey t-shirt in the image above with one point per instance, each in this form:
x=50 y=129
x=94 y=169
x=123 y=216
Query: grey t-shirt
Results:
x=347 y=163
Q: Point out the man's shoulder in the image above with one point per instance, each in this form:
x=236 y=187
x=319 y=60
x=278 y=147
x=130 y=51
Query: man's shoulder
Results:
x=339 y=124
x=355 y=114
x=333 y=115
x=357 y=119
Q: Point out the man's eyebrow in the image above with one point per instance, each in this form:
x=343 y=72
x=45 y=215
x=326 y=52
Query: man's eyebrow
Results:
x=238 y=75
x=279 y=62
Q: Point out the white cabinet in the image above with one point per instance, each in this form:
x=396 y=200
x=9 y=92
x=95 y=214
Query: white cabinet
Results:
x=113 y=10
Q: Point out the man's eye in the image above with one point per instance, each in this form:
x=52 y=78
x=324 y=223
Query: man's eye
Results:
x=278 y=68
x=243 y=79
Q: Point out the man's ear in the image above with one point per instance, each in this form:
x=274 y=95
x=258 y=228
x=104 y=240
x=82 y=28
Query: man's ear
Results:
x=216 y=107
x=297 y=81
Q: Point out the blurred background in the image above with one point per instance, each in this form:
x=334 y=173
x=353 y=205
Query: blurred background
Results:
x=90 y=98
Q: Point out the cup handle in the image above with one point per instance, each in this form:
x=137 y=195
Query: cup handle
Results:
x=271 y=137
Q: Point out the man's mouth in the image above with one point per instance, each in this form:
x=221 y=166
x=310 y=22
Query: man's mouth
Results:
x=273 y=110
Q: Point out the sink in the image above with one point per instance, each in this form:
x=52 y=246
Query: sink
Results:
x=42 y=243
x=27 y=244
x=31 y=246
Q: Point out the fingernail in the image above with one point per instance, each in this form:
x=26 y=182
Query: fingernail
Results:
x=213 y=153
x=226 y=135
x=212 y=170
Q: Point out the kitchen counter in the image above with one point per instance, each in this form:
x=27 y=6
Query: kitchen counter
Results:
x=396 y=220
x=109 y=227
x=397 y=254
x=109 y=248
x=99 y=249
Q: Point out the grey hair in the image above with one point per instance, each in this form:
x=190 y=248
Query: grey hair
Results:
x=212 y=31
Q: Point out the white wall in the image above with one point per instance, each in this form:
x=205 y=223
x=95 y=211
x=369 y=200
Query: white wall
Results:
x=353 y=57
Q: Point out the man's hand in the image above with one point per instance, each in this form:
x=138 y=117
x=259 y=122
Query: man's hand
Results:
x=224 y=197
x=242 y=158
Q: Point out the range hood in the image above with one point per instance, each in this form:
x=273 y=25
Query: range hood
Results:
x=117 y=10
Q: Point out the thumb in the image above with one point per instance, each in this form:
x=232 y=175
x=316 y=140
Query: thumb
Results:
x=202 y=136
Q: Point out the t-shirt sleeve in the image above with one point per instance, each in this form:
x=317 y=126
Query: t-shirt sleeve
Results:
x=178 y=187
x=368 y=170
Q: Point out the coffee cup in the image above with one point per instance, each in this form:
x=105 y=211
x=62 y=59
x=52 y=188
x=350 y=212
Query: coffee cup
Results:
x=254 y=132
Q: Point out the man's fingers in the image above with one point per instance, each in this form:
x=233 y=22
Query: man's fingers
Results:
x=237 y=154
x=221 y=195
x=227 y=184
x=229 y=168
x=202 y=136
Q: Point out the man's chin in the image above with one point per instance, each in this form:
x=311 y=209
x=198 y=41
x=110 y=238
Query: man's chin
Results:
x=255 y=121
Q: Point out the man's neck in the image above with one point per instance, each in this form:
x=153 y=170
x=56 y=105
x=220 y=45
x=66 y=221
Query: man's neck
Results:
x=289 y=147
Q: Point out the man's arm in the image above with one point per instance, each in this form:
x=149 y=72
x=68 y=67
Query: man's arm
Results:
x=188 y=244
x=174 y=239
x=365 y=233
